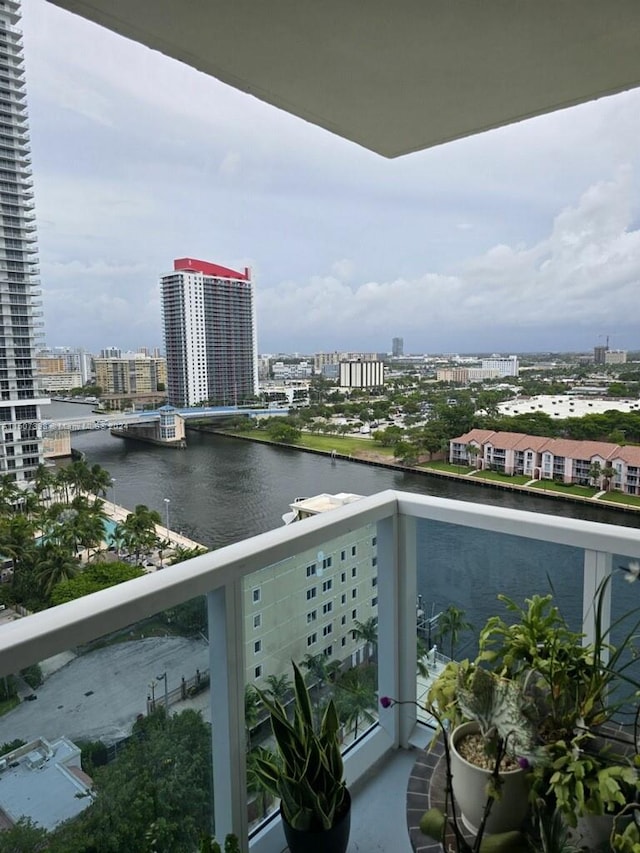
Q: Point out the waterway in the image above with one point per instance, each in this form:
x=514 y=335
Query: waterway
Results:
x=221 y=490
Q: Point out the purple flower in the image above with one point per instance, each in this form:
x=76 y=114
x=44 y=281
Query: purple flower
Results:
x=523 y=763
x=386 y=701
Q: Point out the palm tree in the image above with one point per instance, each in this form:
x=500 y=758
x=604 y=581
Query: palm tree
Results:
x=355 y=700
x=317 y=669
x=595 y=473
x=368 y=632
x=251 y=708
x=55 y=564
x=451 y=624
x=100 y=480
x=279 y=687
x=421 y=653
x=608 y=472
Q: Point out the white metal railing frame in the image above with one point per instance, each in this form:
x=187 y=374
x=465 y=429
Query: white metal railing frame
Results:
x=219 y=575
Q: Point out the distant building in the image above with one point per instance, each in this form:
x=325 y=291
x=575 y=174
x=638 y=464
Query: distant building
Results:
x=600 y=354
x=310 y=604
x=361 y=374
x=296 y=370
x=504 y=366
x=323 y=359
x=615 y=356
x=210 y=334
x=43 y=781
x=543 y=458
x=111 y=352
x=397 y=347
x=131 y=374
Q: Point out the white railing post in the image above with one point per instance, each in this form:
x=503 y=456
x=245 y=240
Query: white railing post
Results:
x=226 y=667
x=598 y=566
x=397 y=646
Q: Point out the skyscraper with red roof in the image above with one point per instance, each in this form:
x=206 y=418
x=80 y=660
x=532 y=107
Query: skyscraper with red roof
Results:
x=210 y=334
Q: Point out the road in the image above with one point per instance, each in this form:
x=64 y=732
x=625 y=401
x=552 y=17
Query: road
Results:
x=99 y=695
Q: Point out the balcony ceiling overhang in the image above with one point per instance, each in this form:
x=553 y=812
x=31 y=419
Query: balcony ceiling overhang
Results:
x=398 y=76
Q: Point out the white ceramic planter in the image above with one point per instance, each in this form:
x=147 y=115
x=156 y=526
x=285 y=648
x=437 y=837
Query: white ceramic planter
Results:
x=470 y=791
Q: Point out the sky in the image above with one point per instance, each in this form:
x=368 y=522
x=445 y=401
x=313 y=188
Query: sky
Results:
x=525 y=238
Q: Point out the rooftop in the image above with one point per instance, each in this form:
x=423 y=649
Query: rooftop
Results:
x=43 y=781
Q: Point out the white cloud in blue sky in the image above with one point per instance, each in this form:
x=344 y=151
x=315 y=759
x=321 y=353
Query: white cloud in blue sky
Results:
x=523 y=238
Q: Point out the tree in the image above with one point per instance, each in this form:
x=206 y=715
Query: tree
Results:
x=608 y=472
x=368 y=632
x=95 y=577
x=405 y=453
x=251 y=708
x=279 y=687
x=282 y=432
x=473 y=452
x=23 y=837
x=450 y=625
x=595 y=473
x=356 y=699
x=161 y=781
x=55 y=565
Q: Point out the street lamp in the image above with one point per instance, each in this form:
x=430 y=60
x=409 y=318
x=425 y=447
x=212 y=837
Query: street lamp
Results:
x=166 y=509
x=166 y=690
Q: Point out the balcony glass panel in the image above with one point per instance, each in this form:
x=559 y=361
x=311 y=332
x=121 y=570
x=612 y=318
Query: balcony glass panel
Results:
x=97 y=746
x=317 y=608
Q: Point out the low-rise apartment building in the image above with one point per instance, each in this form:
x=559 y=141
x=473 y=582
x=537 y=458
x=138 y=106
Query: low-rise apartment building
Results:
x=540 y=457
x=309 y=604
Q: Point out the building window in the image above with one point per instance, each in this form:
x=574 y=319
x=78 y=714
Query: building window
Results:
x=343 y=598
x=328 y=629
x=257 y=620
x=353 y=550
x=374 y=601
x=354 y=614
x=327 y=562
x=311 y=570
x=343 y=555
x=374 y=561
x=343 y=577
x=328 y=651
x=326 y=585
x=256 y=595
x=374 y=581
x=354 y=593
x=354 y=572
x=257 y=647
x=374 y=541
x=257 y=672
x=312 y=615
x=343 y=642
x=312 y=638
x=343 y=620
x=311 y=593
x=327 y=608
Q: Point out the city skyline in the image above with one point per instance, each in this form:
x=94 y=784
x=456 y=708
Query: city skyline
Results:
x=523 y=238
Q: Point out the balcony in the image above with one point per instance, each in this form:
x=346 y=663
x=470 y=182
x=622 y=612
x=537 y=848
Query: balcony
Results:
x=109 y=683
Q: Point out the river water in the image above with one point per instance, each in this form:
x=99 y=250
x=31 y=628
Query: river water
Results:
x=222 y=490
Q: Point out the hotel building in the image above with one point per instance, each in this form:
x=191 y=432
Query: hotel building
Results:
x=210 y=334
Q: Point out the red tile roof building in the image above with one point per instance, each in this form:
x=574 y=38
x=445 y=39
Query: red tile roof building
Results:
x=541 y=457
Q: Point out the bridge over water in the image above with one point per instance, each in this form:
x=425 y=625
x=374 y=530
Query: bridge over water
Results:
x=111 y=420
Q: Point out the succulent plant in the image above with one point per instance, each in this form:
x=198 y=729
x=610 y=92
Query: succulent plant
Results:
x=308 y=775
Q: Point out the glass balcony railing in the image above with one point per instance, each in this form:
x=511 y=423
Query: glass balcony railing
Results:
x=194 y=636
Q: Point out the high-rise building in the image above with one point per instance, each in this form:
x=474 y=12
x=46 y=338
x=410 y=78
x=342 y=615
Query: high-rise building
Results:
x=600 y=354
x=133 y=373
x=505 y=366
x=210 y=334
x=397 y=347
x=20 y=432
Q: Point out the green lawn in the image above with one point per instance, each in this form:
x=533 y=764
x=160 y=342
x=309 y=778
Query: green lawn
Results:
x=7 y=705
x=446 y=466
x=620 y=498
x=516 y=479
x=347 y=445
x=564 y=489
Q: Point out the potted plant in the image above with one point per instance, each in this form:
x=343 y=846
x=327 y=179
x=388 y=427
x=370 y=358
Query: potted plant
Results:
x=307 y=774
